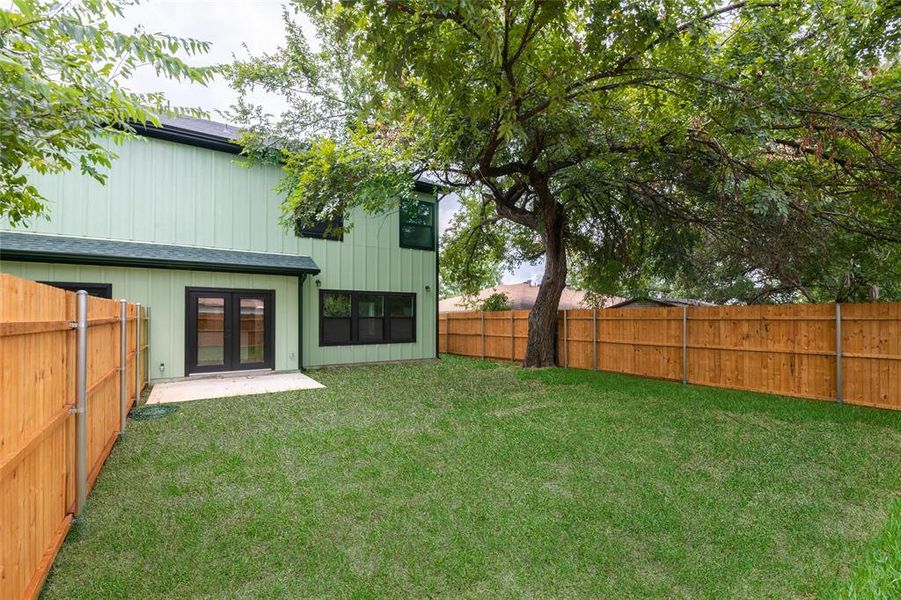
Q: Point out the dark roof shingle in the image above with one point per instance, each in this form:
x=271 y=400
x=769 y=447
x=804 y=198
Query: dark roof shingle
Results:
x=75 y=250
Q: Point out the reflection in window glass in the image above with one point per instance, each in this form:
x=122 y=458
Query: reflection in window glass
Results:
x=210 y=332
x=252 y=330
x=417 y=225
x=401 y=306
x=370 y=306
x=335 y=305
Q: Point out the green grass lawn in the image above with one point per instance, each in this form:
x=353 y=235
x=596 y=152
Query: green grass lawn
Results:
x=467 y=478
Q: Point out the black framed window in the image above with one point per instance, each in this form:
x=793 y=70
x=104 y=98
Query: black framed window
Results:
x=322 y=230
x=417 y=224
x=100 y=290
x=401 y=317
x=335 y=318
x=349 y=318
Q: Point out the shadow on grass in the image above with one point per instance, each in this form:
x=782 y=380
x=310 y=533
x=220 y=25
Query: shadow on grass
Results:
x=703 y=397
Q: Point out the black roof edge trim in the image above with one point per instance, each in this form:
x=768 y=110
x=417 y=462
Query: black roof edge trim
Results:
x=180 y=135
x=426 y=186
x=147 y=263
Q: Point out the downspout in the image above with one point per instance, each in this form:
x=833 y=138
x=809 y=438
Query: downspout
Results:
x=300 y=279
x=437 y=264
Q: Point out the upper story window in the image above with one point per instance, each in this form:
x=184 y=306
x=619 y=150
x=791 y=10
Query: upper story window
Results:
x=100 y=290
x=417 y=224
x=322 y=230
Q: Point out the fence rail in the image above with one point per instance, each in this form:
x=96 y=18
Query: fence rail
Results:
x=38 y=364
x=849 y=353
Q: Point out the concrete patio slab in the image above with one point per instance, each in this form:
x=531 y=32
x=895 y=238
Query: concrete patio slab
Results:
x=203 y=388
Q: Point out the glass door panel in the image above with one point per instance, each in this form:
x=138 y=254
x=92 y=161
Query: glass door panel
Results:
x=253 y=331
x=210 y=332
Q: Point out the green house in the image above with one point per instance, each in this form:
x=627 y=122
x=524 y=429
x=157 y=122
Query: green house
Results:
x=183 y=227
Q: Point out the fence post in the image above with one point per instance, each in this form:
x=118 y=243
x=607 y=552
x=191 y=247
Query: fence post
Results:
x=684 y=345
x=137 y=353
x=565 y=340
x=123 y=363
x=81 y=400
x=594 y=339
x=482 y=313
x=147 y=312
x=512 y=336
x=838 y=353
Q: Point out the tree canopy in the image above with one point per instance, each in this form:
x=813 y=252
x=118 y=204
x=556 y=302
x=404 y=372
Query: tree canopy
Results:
x=703 y=142
x=62 y=72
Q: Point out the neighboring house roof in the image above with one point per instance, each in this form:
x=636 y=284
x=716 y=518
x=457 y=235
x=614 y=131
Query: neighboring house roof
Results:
x=652 y=302
x=522 y=296
x=75 y=250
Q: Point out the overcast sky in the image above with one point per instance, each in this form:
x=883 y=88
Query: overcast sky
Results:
x=230 y=25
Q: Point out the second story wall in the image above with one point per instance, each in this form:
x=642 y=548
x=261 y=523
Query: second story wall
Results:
x=170 y=193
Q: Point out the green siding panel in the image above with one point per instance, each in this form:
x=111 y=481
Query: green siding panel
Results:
x=170 y=193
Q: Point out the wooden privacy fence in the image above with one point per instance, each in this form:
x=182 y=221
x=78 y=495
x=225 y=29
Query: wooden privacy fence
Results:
x=849 y=352
x=42 y=389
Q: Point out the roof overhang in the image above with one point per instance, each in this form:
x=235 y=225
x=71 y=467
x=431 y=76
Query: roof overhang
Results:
x=33 y=247
x=181 y=135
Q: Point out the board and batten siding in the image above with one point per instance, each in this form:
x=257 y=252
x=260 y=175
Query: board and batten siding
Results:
x=164 y=291
x=169 y=193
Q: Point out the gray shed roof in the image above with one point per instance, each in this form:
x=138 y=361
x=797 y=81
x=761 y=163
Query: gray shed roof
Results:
x=74 y=250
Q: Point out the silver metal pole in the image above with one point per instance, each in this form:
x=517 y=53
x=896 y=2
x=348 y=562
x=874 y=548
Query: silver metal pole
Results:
x=838 y=353
x=137 y=353
x=684 y=345
x=123 y=363
x=81 y=400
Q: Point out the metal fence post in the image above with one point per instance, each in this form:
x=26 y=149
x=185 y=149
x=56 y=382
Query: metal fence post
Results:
x=838 y=353
x=594 y=339
x=81 y=400
x=148 y=342
x=123 y=363
x=684 y=345
x=137 y=353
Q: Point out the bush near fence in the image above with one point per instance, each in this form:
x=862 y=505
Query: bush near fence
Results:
x=37 y=427
x=849 y=352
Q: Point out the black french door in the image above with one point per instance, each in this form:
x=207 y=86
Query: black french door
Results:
x=229 y=330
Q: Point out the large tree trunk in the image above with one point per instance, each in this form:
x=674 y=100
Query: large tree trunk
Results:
x=543 y=316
